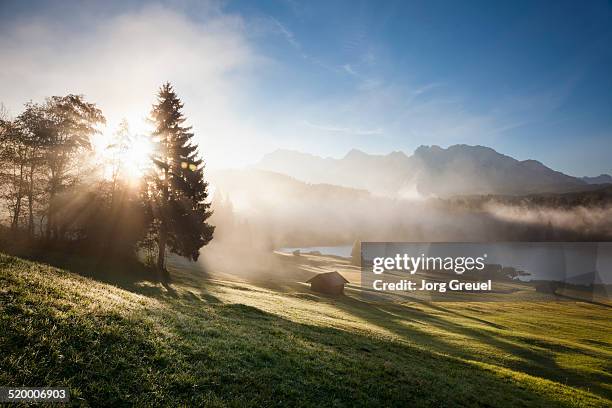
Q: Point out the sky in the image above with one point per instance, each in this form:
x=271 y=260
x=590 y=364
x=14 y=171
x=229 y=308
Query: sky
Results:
x=531 y=79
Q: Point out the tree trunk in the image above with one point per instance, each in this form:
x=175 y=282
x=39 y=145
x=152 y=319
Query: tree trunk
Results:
x=163 y=234
x=30 y=216
x=51 y=229
x=31 y=203
x=161 y=254
x=19 y=197
x=51 y=226
x=15 y=220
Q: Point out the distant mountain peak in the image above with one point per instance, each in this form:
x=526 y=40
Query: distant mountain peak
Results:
x=426 y=149
x=455 y=149
x=355 y=154
x=533 y=163
x=432 y=170
x=601 y=179
x=397 y=154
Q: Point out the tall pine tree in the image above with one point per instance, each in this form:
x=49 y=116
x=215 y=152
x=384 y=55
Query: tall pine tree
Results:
x=177 y=189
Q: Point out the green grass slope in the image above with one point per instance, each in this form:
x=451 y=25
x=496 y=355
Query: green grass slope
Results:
x=220 y=343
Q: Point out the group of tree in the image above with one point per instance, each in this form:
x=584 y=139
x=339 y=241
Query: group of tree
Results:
x=54 y=195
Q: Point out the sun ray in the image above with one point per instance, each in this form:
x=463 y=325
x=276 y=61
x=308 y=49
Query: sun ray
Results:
x=123 y=154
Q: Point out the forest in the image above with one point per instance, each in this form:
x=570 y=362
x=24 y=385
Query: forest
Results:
x=128 y=194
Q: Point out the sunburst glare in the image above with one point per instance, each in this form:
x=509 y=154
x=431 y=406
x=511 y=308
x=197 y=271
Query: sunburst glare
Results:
x=136 y=157
x=123 y=154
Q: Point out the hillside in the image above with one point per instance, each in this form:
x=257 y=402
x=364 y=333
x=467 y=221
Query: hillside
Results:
x=430 y=171
x=225 y=342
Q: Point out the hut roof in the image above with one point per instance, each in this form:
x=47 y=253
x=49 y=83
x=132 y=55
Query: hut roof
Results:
x=330 y=278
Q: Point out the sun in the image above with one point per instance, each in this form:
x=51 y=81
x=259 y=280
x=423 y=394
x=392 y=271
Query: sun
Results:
x=126 y=155
x=136 y=158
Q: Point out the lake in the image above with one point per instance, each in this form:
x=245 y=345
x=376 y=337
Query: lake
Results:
x=343 y=251
x=579 y=262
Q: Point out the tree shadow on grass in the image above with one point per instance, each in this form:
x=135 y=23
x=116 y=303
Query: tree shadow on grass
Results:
x=236 y=355
x=233 y=354
x=268 y=359
x=580 y=299
x=404 y=321
x=118 y=271
x=129 y=274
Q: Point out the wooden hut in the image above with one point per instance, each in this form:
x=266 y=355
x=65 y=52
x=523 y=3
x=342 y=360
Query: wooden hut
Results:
x=331 y=283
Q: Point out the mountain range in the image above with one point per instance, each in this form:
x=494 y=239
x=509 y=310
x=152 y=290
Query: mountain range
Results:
x=601 y=179
x=430 y=171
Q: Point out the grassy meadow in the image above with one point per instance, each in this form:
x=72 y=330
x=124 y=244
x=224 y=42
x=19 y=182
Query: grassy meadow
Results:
x=220 y=340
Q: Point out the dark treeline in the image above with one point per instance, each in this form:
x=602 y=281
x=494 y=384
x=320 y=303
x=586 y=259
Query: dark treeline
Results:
x=598 y=196
x=54 y=195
